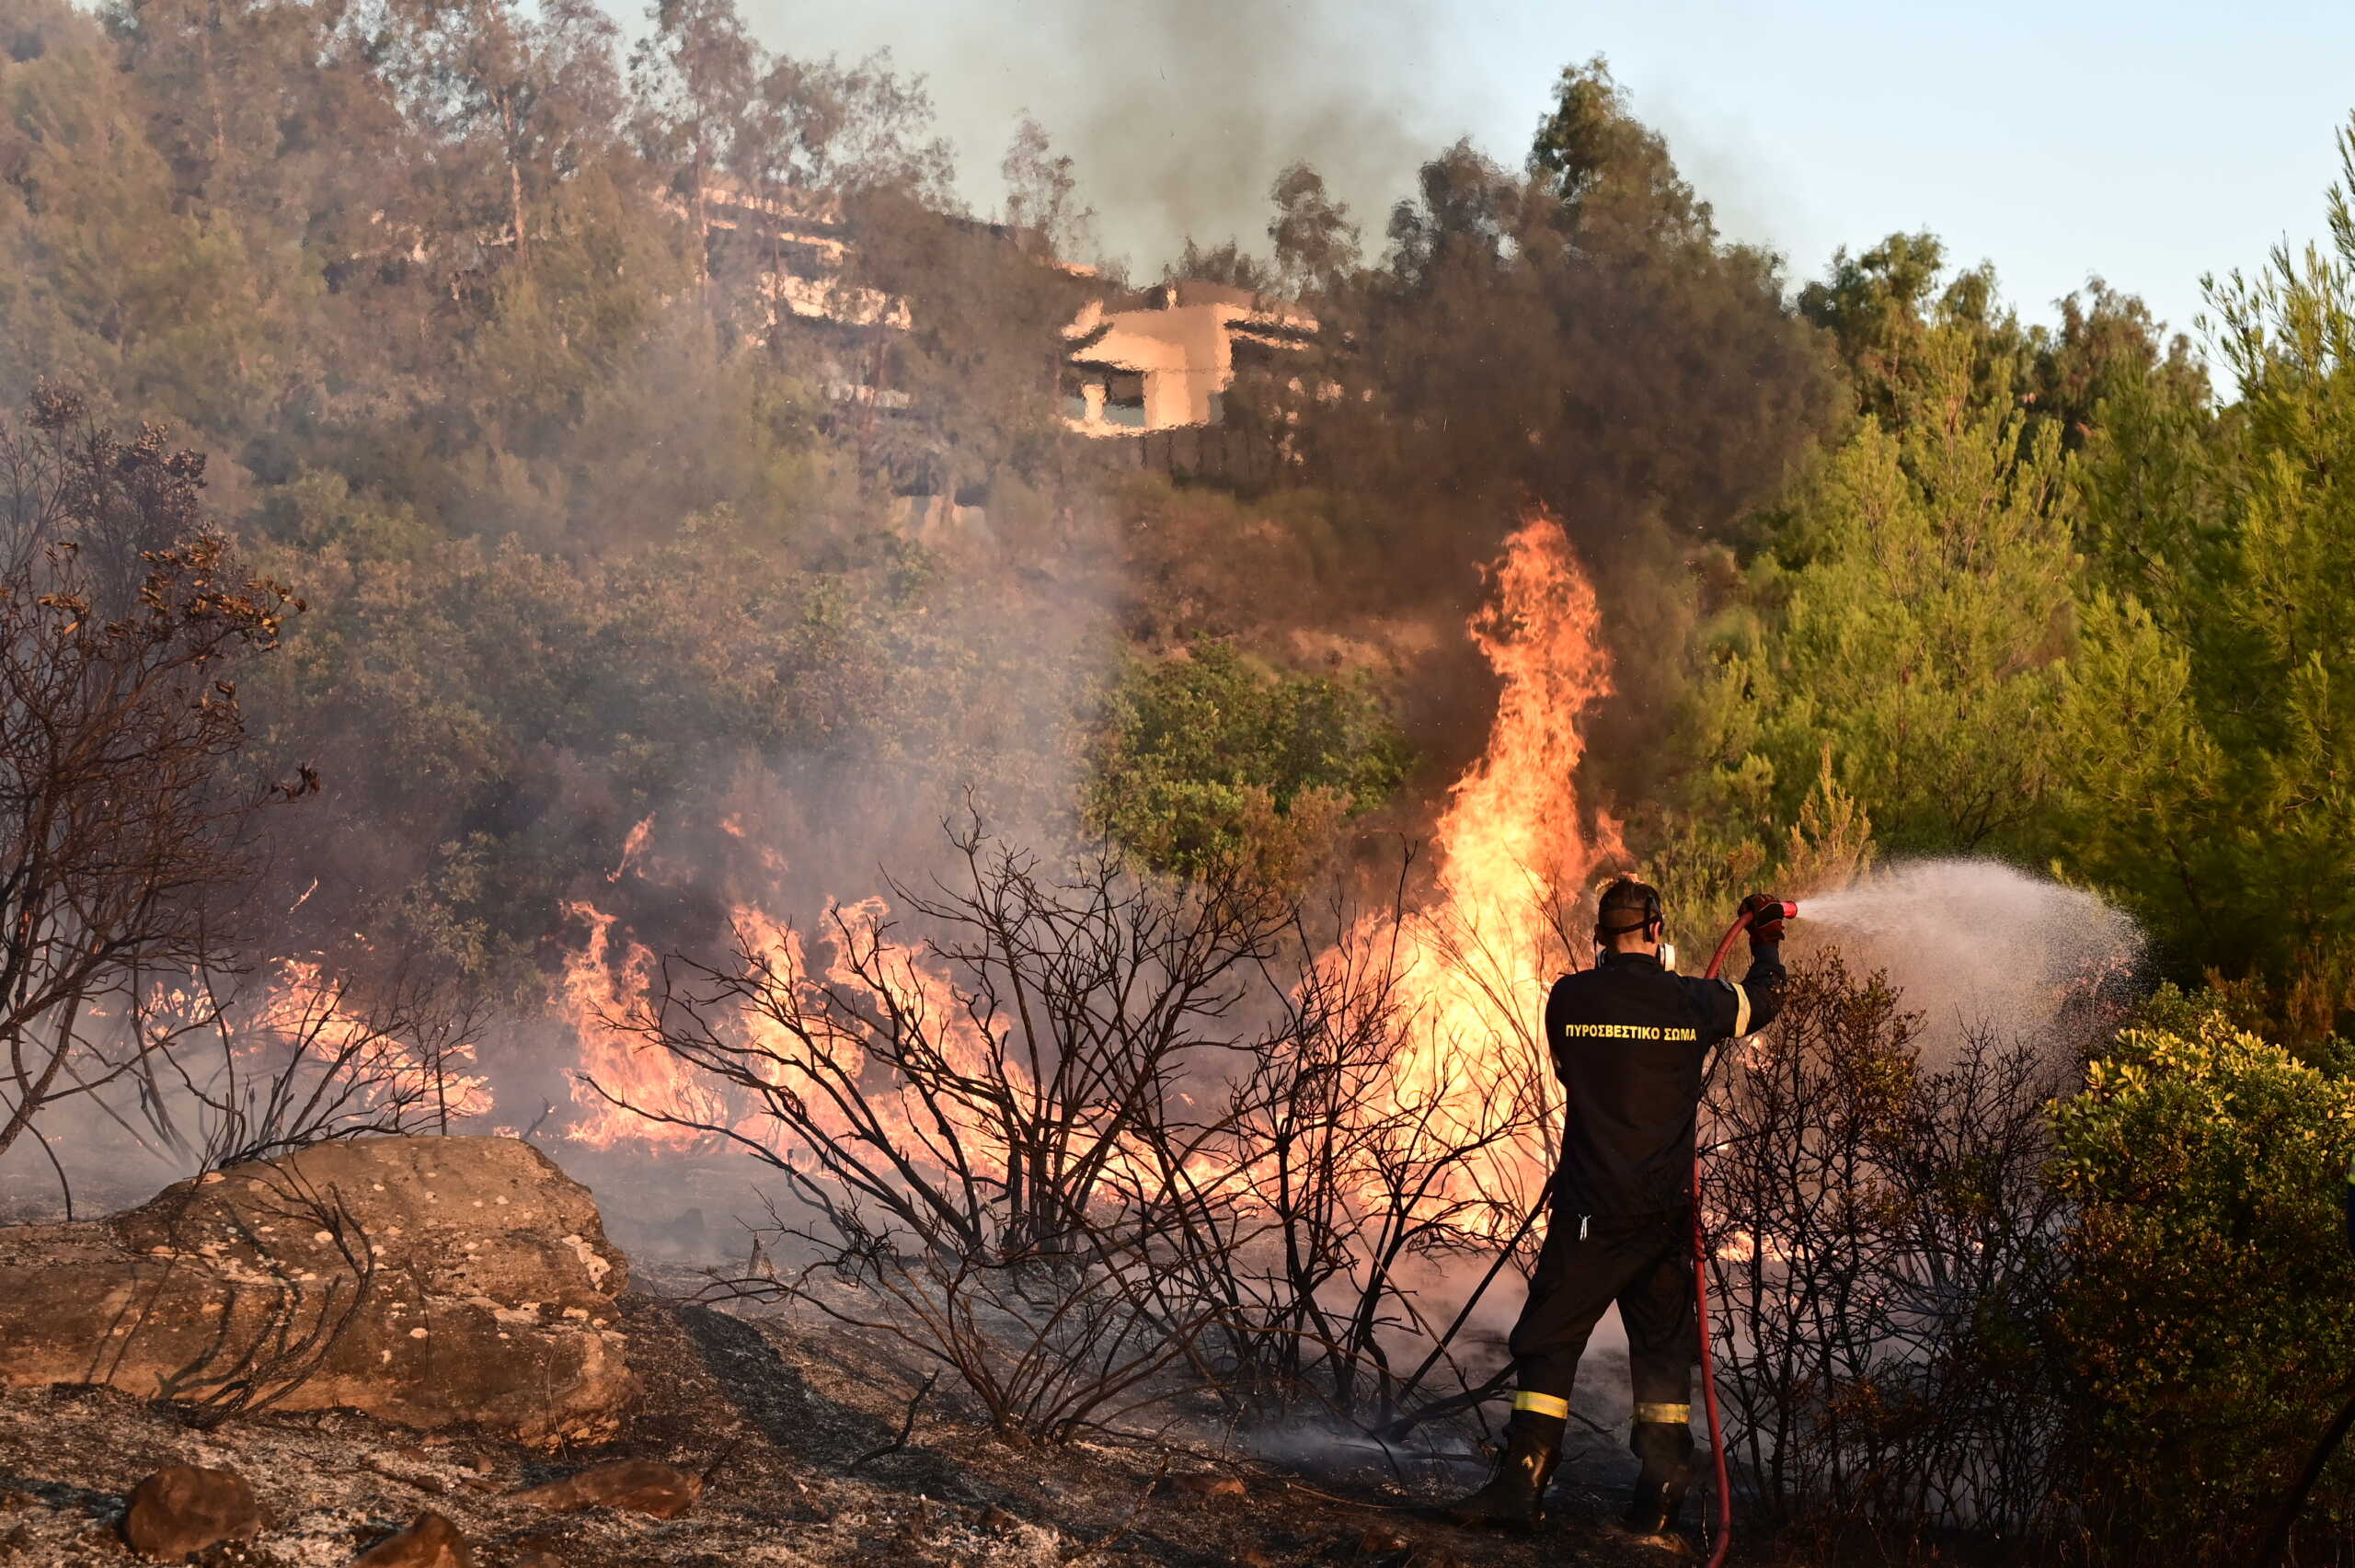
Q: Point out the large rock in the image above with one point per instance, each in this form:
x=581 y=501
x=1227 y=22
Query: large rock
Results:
x=490 y=1300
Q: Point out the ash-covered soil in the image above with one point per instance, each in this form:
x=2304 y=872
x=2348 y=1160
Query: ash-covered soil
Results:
x=781 y=1413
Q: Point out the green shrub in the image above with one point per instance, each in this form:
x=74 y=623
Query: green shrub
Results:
x=1213 y=757
x=2209 y=1313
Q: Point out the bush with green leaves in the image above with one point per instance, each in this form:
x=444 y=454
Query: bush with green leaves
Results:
x=2208 y=1312
x=1213 y=755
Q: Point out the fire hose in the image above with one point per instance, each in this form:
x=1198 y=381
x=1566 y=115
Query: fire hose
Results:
x=1701 y=1279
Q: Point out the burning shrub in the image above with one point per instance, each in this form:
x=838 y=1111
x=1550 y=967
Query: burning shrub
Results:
x=2209 y=1315
x=986 y=1129
x=1096 y=1141
x=123 y=619
x=1354 y=1157
x=243 y=1072
x=1883 y=1249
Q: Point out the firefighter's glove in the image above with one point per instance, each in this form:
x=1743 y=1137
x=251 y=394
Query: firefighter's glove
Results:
x=1766 y=918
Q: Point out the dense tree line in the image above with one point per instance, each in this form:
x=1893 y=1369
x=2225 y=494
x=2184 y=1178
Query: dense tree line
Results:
x=2050 y=600
x=594 y=537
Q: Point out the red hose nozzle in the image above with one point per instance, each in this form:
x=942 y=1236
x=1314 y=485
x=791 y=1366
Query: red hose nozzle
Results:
x=1784 y=910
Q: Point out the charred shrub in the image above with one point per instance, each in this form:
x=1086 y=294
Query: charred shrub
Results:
x=1885 y=1245
x=127 y=820
x=1092 y=1142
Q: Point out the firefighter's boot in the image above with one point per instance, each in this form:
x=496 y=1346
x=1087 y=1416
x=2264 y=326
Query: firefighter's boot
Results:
x=1666 y=1449
x=1515 y=1496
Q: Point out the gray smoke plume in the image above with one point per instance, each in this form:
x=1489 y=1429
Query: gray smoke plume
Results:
x=1178 y=115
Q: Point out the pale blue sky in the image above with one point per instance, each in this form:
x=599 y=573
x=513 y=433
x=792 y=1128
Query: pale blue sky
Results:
x=2148 y=142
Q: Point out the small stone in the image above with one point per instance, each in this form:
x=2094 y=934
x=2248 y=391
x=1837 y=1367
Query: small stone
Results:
x=423 y=1482
x=536 y=1559
x=182 y=1509
x=1210 y=1486
x=643 y=1486
x=431 y=1541
x=1252 y=1557
x=1378 y=1541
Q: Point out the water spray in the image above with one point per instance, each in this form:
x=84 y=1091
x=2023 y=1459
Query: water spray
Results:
x=1783 y=910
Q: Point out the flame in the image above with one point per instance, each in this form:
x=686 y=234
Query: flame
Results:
x=597 y=990
x=1514 y=858
x=386 y=1063
x=307 y=1007
x=595 y=997
x=632 y=847
x=1511 y=827
x=1515 y=854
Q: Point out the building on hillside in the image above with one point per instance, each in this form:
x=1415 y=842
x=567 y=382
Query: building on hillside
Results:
x=1154 y=366
x=1166 y=363
x=1160 y=360
x=795 y=246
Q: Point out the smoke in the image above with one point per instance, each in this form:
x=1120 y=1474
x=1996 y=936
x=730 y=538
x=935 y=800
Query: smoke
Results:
x=1976 y=944
x=1179 y=117
x=1192 y=112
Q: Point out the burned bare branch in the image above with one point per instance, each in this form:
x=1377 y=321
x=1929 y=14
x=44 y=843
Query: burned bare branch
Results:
x=121 y=827
x=1088 y=1131
x=907 y=1423
x=1884 y=1245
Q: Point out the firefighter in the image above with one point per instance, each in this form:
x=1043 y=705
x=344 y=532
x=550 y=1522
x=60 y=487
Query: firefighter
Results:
x=1630 y=1038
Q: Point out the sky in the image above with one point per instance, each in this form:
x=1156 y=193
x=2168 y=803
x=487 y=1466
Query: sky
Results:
x=2147 y=142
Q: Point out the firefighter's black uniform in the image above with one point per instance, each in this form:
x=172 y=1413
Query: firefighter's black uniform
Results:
x=1630 y=1041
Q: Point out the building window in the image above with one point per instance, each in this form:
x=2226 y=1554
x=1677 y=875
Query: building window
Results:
x=1124 y=399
